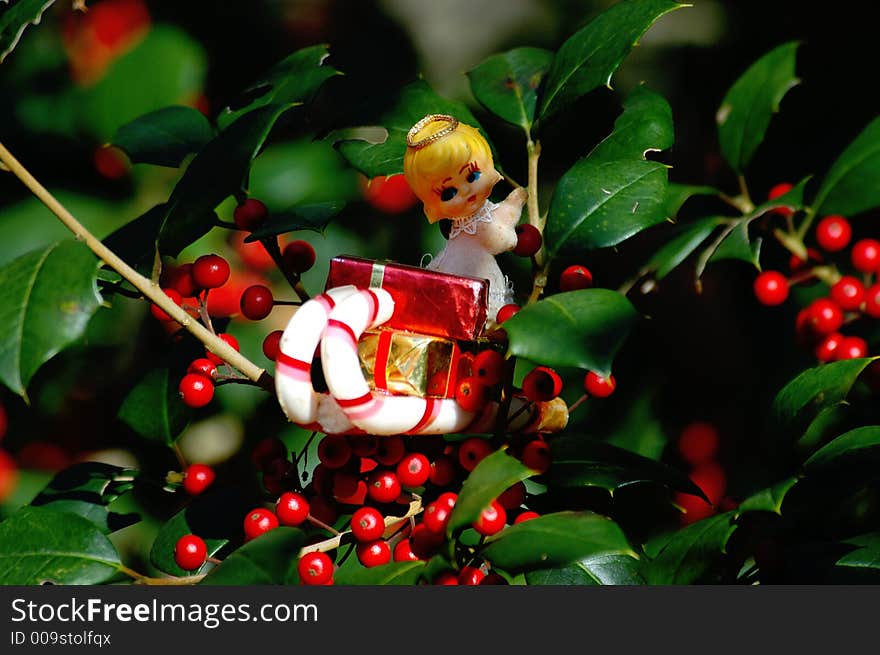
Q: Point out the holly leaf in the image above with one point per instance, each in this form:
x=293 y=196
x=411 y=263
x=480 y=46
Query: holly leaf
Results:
x=688 y=238
x=293 y=80
x=678 y=194
x=866 y=553
x=580 y=329
x=645 y=125
x=852 y=184
x=49 y=297
x=135 y=242
x=490 y=477
x=39 y=545
x=769 y=499
x=691 y=554
x=597 y=570
x=268 y=559
x=507 y=83
x=737 y=245
x=395 y=573
x=153 y=408
x=554 y=540
x=745 y=112
x=315 y=218
x=164 y=137
x=218 y=171
x=861 y=445
x=416 y=100
x=588 y=58
x=15 y=19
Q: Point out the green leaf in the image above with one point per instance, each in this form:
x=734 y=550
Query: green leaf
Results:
x=580 y=329
x=153 y=408
x=588 y=58
x=866 y=554
x=639 y=430
x=395 y=573
x=792 y=199
x=293 y=80
x=745 y=112
x=823 y=426
x=49 y=296
x=644 y=125
x=416 y=100
x=852 y=184
x=860 y=445
x=15 y=18
x=581 y=462
x=135 y=242
x=598 y=570
x=769 y=499
x=40 y=545
x=737 y=245
x=801 y=400
x=218 y=171
x=267 y=559
x=692 y=553
x=314 y=218
x=507 y=83
x=688 y=238
x=678 y=194
x=553 y=540
x=490 y=477
x=164 y=137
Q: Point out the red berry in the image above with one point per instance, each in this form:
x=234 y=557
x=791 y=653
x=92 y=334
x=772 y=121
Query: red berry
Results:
x=448 y=498
x=447 y=578
x=333 y=451
x=824 y=316
x=250 y=214
x=403 y=552
x=488 y=366
x=833 y=233
x=866 y=255
x=315 y=569
x=197 y=478
x=711 y=479
x=159 y=313
x=494 y=579
x=392 y=194
x=348 y=488
x=694 y=507
x=598 y=386
x=181 y=280
x=472 y=394
x=848 y=292
x=491 y=519
x=506 y=312
x=795 y=263
x=698 y=443
x=471 y=575
x=8 y=475
x=528 y=240
x=383 y=486
x=536 y=455
x=389 y=450
x=513 y=496
x=413 y=470
x=851 y=348
x=374 y=553
x=292 y=508
x=272 y=345
x=111 y=162
x=827 y=348
x=259 y=521
x=872 y=301
x=542 y=384
x=528 y=515
x=575 y=277
x=436 y=517
x=230 y=340
x=210 y=271
x=775 y=192
x=423 y=542
x=299 y=256
x=472 y=451
x=442 y=471
x=190 y=552
x=268 y=450
x=203 y=366
x=363 y=445
x=367 y=524
x=256 y=302
x=196 y=390
x=771 y=288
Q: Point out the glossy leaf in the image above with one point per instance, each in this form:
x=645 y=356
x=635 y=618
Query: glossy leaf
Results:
x=823 y=426
x=490 y=477
x=678 y=194
x=792 y=199
x=866 y=553
x=164 y=137
x=598 y=570
x=692 y=553
x=394 y=573
x=588 y=58
x=507 y=84
x=689 y=237
x=745 y=112
x=267 y=559
x=49 y=295
x=40 y=545
x=769 y=499
x=293 y=80
x=153 y=408
x=581 y=462
x=135 y=242
x=15 y=17
x=645 y=125
x=314 y=218
x=218 y=171
x=416 y=100
x=852 y=184
x=861 y=444
x=580 y=329
x=737 y=245
x=553 y=540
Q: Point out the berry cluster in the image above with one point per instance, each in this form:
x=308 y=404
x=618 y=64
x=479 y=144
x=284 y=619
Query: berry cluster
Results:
x=698 y=445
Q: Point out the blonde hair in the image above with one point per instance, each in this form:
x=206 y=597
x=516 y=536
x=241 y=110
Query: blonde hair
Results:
x=425 y=166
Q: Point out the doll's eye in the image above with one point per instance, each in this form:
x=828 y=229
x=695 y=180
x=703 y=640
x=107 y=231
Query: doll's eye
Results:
x=473 y=176
x=448 y=193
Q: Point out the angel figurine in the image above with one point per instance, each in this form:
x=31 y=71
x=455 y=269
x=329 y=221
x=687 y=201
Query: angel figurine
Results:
x=449 y=166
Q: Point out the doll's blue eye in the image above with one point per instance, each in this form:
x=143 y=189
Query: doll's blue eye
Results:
x=473 y=176
x=448 y=193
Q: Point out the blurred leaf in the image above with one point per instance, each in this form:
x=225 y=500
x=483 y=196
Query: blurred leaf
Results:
x=49 y=297
x=164 y=137
x=581 y=462
x=218 y=171
x=678 y=194
x=769 y=499
x=395 y=573
x=554 y=539
x=135 y=242
x=639 y=431
x=866 y=554
x=267 y=559
x=507 y=83
x=579 y=329
x=598 y=570
x=644 y=125
x=590 y=56
x=689 y=237
x=40 y=545
x=307 y=217
x=748 y=106
x=153 y=408
x=692 y=553
x=293 y=80
x=490 y=477
x=15 y=18
x=416 y=100
x=861 y=444
x=852 y=184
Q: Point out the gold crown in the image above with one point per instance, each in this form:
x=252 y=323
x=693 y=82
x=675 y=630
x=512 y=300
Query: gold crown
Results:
x=439 y=134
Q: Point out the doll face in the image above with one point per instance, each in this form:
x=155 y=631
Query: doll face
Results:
x=464 y=189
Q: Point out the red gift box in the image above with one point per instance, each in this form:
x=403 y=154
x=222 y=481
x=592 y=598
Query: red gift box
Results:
x=426 y=302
